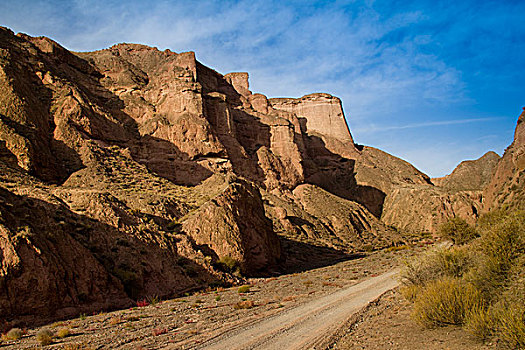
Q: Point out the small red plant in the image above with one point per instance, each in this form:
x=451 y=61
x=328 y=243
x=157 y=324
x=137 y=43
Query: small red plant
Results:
x=142 y=303
x=159 y=331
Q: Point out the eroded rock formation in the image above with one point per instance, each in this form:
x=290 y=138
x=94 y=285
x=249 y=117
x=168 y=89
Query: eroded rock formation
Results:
x=506 y=187
x=470 y=175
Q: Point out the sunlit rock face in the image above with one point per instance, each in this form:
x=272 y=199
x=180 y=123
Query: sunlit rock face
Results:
x=506 y=187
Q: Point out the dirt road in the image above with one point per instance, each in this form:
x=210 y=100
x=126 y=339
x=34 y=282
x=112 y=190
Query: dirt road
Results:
x=307 y=325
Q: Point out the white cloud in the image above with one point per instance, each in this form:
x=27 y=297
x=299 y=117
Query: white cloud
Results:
x=374 y=128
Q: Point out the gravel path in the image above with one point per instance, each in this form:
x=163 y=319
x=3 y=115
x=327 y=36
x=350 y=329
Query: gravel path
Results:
x=309 y=324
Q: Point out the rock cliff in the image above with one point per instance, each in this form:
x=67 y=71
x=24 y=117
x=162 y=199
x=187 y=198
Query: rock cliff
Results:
x=506 y=187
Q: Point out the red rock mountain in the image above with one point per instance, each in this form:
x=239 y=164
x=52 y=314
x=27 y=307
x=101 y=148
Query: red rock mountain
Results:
x=506 y=187
x=470 y=175
x=131 y=172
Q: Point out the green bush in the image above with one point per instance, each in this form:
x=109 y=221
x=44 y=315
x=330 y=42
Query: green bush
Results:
x=447 y=301
x=244 y=289
x=458 y=231
x=228 y=264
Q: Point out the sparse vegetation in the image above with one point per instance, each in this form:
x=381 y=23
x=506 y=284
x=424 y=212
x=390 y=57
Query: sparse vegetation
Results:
x=13 y=334
x=159 y=331
x=63 y=332
x=45 y=337
x=115 y=320
x=76 y=346
x=480 y=285
x=228 y=264
x=458 y=231
x=154 y=300
x=244 y=304
x=445 y=301
x=142 y=303
x=244 y=289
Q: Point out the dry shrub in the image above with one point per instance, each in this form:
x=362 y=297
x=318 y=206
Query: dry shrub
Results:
x=289 y=298
x=446 y=301
x=480 y=323
x=330 y=284
x=159 y=331
x=76 y=346
x=44 y=337
x=510 y=324
x=410 y=292
x=509 y=312
x=503 y=237
x=396 y=248
x=228 y=264
x=63 y=332
x=245 y=304
x=480 y=285
x=452 y=262
x=13 y=334
x=458 y=231
x=115 y=320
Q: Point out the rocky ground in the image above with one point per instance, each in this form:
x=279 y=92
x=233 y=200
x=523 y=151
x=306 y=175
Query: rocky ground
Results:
x=185 y=322
x=190 y=320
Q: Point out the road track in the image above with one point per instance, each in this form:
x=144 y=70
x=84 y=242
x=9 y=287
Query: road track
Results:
x=307 y=325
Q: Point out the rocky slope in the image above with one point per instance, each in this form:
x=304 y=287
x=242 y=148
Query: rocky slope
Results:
x=131 y=172
x=423 y=207
x=470 y=175
x=506 y=187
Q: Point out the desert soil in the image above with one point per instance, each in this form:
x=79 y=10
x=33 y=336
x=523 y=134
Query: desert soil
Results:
x=201 y=319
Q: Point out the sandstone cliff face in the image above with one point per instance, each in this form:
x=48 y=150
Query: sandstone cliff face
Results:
x=506 y=186
x=222 y=226
x=348 y=223
x=321 y=113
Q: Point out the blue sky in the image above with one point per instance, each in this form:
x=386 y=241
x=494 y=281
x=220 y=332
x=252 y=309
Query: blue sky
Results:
x=433 y=82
